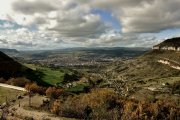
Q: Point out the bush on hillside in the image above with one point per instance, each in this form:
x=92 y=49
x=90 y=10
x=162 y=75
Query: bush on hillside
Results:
x=34 y=88
x=53 y=92
x=75 y=106
x=70 y=78
x=105 y=104
x=2 y=80
x=21 y=81
x=175 y=88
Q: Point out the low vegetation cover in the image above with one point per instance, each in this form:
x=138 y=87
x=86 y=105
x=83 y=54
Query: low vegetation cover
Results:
x=54 y=77
x=106 y=104
x=137 y=89
x=8 y=94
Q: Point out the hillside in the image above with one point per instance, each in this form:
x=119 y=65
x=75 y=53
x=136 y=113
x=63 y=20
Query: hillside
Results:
x=12 y=69
x=9 y=67
x=171 y=42
x=146 y=76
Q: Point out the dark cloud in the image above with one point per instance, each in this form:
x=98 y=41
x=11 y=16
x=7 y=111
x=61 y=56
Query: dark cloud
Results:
x=23 y=43
x=72 y=22
x=3 y=41
x=31 y=7
x=140 y=16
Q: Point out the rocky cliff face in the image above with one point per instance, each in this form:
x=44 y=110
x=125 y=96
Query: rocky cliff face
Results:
x=172 y=44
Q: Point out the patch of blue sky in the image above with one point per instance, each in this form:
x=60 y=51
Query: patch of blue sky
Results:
x=169 y=33
x=15 y=26
x=107 y=16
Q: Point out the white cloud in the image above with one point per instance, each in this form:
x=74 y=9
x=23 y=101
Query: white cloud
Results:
x=56 y=23
x=68 y=18
x=66 y=15
x=6 y=25
x=143 y=15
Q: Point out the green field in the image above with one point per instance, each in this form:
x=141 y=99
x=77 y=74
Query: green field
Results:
x=50 y=76
x=9 y=93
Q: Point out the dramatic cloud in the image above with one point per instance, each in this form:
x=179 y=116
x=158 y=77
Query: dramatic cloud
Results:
x=114 y=39
x=34 y=24
x=143 y=15
x=32 y=7
x=68 y=18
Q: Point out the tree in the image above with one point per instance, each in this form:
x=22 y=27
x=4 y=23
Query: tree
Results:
x=53 y=92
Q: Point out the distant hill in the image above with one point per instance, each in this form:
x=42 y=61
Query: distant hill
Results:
x=94 y=53
x=9 y=68
x=9 y=50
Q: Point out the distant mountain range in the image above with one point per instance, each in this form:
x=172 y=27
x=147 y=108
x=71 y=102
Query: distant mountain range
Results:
x=9 y=50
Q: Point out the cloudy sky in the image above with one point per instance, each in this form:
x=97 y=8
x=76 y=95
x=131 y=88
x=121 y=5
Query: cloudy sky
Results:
x=55 y=24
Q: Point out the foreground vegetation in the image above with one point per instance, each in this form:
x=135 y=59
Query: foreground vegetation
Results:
x=106 y=104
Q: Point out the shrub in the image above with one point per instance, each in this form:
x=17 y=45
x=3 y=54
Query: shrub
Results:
x=70 y=78
x=21 y=82
x=79 y=89
x=53 y=92
x=175 y=87
x=2 y=80
x=75 y=106
x=150 y=111
x=105 y=104
x=34 y=88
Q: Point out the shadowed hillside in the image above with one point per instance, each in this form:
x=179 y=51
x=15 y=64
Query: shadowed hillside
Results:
x=9 y=68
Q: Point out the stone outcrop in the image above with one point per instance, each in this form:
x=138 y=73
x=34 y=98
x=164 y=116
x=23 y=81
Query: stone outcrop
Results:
x=169 y=44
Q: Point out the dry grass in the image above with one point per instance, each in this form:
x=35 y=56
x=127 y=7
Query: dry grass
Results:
x=9 y=93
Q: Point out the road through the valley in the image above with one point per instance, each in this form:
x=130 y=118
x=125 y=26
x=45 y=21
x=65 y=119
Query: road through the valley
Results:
x=13 y=87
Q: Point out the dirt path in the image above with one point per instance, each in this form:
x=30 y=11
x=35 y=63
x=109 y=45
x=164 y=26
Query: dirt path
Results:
x=13 y=87
x=21 y=112
x=24 y=111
